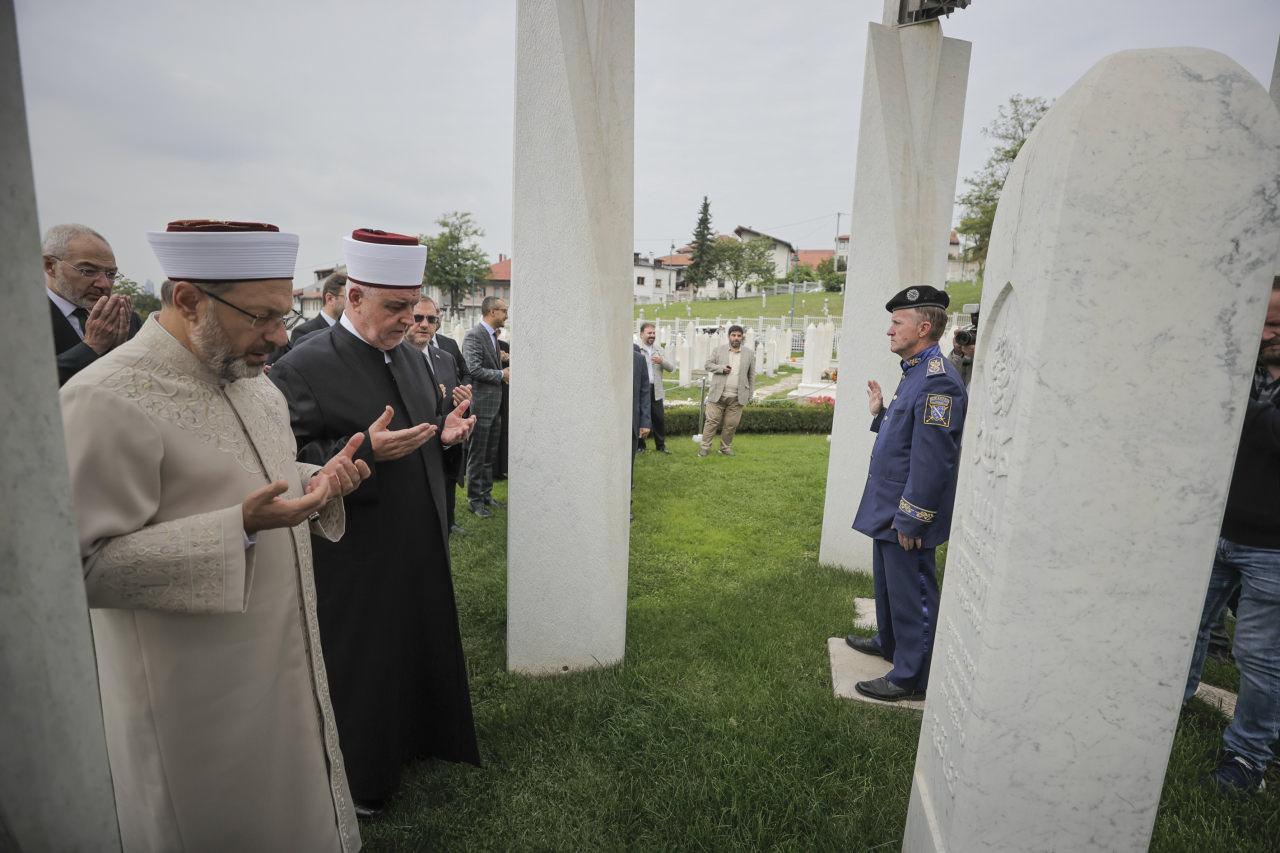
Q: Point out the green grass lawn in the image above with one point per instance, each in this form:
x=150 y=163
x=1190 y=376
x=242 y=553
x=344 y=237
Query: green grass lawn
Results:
x=748 y=308
x=720 y=731
x=962 y=293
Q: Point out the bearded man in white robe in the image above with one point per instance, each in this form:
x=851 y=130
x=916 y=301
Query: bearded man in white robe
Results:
x=194 y=522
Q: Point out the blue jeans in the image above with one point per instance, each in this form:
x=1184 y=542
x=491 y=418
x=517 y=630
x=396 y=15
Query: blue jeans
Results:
x=1256 y=571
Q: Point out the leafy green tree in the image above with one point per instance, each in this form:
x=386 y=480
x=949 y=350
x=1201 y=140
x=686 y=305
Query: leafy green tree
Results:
x=1010 y=129
x=832 y=279
x=739 y=262
x=702 y=266
x=455 y=262
x=801 y=274
x=144 y=304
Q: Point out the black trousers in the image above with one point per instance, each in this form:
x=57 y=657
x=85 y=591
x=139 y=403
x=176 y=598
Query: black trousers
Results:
x=658 y=428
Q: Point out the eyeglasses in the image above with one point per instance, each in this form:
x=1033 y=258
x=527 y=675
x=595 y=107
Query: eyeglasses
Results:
x=430 y=318
x=91 y=272
x=288 y=320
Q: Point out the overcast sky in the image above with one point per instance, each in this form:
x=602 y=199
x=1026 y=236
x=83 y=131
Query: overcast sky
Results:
x=324 y=116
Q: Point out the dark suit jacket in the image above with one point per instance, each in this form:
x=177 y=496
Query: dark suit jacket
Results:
x=446 y=373
x=74 y=354
x=450 y=346
x=315 y=324
x=641 y=393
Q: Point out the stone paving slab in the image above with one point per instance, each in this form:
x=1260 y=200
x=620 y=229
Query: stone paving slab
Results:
x=1223 y=700
x=860 y=667
x=849 y=667
x=864 y=613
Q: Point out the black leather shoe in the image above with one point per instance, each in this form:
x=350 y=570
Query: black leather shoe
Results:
x=492 y=501
x=481 y=510
x=368 y=809
x=664 y=450
x=457 y=530
x=886 y=691
x=866 y=645
x=640 y=449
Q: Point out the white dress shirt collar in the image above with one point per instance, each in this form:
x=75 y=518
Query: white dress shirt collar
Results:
x=346 y=324
x=66 y=308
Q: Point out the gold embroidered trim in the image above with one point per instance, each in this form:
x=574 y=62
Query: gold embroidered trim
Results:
x=925 y=515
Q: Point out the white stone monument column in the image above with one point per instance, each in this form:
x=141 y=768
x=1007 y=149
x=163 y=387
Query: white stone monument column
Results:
x=1093 y=478
x=568 y=532
x=913 y=91
x=55 y=788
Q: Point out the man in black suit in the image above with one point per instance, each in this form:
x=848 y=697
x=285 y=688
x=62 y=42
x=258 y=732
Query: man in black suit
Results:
x=334 y=292
x=450 y=346
x=88 y=320
x=444 y=370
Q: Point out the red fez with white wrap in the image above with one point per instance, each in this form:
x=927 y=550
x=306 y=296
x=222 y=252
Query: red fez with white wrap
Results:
x=381 y=259
x=219 y=250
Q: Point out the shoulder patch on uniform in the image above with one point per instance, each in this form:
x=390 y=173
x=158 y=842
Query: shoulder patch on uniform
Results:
x=935 y=366
x=937 y=410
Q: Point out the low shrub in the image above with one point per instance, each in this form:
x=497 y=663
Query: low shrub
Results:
x=769 y=416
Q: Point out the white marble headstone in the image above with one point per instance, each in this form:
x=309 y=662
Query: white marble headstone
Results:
x=1098 y=449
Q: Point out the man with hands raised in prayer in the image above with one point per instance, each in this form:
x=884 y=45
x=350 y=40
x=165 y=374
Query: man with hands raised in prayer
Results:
x=88 y=319
x=387 y=614
x=196 y=523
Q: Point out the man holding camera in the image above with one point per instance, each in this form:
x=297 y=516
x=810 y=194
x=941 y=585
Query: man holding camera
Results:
x=911 y=486
x=732 y=368
x=964 y=343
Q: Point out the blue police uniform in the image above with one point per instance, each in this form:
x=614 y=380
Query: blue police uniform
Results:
x=911 y=486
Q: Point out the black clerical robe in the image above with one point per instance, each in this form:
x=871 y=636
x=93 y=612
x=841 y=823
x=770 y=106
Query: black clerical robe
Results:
x=388 y=621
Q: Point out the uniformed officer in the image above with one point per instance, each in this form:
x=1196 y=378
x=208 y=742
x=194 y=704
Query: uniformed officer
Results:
x=911 y=485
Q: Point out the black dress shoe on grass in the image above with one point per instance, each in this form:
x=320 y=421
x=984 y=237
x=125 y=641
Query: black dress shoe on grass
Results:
x=481 y=510
x=866 y=645
x=492 y=501
x=886 y=691
x=457 y=530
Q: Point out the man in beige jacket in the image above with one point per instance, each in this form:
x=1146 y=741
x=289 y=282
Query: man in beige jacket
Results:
x=732 y=368
x=194 y=521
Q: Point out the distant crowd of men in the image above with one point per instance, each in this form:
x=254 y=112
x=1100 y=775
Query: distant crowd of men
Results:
x=264 y=522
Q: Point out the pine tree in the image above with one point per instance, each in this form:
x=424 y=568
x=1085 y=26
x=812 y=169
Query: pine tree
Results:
x=703 y=263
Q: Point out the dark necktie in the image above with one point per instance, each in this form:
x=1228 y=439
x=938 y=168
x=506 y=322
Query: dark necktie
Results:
x=83 y=316
x=435 y=385
x=497 y=349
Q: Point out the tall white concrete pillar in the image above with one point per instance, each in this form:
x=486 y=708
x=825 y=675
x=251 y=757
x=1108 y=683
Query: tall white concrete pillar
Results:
x=568 y=533
x=55 y=789
x=913 y=92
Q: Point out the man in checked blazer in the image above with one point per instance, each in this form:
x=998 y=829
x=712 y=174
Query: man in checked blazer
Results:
x=88 y=320
x=488 y=375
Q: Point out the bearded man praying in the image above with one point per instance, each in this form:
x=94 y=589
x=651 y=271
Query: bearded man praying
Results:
x=195 y=522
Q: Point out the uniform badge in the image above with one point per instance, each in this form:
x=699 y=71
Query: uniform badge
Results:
x=937 y=410
x=935 y=366
x=913 y=295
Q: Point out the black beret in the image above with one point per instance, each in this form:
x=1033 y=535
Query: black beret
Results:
x=918 y=296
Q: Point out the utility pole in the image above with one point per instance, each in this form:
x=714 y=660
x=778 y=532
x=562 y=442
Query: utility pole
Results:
x=835 y=259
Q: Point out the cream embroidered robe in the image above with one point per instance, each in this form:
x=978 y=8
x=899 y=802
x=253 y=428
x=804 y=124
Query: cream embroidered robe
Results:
x=220 y=732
